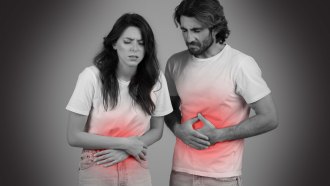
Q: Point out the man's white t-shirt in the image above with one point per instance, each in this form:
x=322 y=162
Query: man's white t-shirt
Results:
x=220 y=88
x=126 y=119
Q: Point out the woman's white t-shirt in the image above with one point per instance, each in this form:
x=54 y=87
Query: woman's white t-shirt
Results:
x=126 y=119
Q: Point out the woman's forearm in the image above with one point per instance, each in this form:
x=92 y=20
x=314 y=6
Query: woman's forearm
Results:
x=92 y=141
x=155 y=133
x=150 y=137
x=77 y=137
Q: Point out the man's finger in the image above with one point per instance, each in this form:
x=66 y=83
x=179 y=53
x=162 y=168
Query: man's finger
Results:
x=200 y=135
x=197 y=146
x=205 y=121
x=201 y=141
x=192 y=120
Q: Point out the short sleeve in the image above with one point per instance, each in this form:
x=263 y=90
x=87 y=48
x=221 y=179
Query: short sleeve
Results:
x=82 y=97
x=249 y=82
x=169 y=78
x=163 y=101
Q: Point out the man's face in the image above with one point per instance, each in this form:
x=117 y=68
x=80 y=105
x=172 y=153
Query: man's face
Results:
x=198 y=38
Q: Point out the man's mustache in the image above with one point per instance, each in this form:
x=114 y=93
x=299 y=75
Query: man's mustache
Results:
x=193 y=44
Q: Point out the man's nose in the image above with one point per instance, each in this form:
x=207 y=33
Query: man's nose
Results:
x=190 y=37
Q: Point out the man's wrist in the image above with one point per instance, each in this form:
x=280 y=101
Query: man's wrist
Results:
x=175 y=129
x=222 y=134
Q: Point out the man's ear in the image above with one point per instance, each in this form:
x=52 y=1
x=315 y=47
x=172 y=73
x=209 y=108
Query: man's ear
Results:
x=214 y=33
x=114 y=46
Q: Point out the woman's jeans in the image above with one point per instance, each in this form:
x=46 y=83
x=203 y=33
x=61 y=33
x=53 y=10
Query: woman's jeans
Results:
x=126 y=173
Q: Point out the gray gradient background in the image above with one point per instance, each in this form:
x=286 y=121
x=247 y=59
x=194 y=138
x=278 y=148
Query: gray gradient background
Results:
x=45 y=45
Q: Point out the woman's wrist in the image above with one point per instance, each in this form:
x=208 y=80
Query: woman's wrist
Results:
x=123 y=143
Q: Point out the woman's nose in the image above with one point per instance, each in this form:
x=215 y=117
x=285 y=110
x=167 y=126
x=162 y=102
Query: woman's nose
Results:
x=134 y=47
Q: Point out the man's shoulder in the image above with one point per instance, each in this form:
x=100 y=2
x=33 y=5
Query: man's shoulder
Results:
x=177 y=62
x=241 y=61
x=237 y=54
x=179 y=56
x=236 y=57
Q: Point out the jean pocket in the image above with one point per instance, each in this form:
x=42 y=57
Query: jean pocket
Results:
x=232 y=181
x=96 y=181
x=144 y=164
x=86 y=160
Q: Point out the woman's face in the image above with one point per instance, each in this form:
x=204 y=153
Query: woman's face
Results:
x=130 y=47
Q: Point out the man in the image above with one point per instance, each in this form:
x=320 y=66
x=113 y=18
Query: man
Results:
x=213 y=87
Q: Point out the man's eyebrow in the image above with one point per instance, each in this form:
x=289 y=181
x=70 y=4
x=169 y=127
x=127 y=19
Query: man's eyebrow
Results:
x=194 y=28
x=199 y=28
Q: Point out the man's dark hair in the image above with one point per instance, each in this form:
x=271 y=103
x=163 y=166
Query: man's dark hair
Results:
x=208 y=12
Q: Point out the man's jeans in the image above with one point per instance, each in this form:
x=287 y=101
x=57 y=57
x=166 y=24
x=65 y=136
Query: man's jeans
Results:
x=185 y=179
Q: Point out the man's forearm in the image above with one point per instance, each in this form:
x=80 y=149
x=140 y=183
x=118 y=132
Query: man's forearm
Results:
x=253 y=126
x=266 y=119
x=174 y=117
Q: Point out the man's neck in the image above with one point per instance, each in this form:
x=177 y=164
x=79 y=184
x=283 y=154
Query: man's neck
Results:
x=213 y=50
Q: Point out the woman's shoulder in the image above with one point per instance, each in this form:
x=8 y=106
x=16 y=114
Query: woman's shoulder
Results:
x=161 y=76
x=90 y=73
x=160 y=81
x=92 y=69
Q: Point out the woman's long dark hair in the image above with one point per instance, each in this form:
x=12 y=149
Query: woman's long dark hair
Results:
x=147 y=71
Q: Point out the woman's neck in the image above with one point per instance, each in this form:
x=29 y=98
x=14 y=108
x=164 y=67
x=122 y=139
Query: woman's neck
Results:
x=125 y=73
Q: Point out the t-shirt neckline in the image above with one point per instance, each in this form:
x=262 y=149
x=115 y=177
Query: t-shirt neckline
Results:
x=123 y=81
x=200 y=60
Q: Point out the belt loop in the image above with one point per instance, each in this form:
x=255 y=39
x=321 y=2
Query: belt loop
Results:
x=239 y=181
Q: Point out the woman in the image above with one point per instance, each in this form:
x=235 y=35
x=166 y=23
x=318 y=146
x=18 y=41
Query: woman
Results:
x=117 y=107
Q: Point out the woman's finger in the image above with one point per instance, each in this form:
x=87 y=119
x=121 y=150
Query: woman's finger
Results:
x=144 y=151
x=111 y=163
x=137 y=157
x=105 y=161
x=103 y=152
x=100 y=158
x=142 y=156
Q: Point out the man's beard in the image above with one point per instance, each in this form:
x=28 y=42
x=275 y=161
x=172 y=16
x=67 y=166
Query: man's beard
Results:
x=202 y=47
